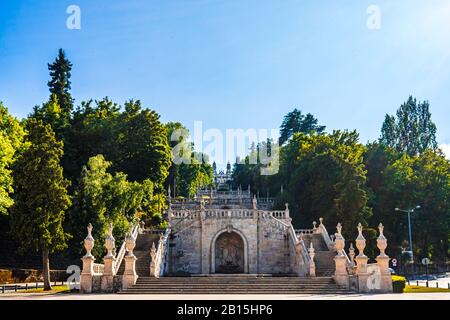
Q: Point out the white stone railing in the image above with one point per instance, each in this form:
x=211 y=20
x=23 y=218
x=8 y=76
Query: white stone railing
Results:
x=161 y=258
x=98 y=268
x=184 y=214
x=229 y=213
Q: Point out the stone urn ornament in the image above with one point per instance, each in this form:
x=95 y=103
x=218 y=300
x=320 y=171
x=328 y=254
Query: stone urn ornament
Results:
x=110 y=242
x=130 y=242
x=360 y=241
x=89 y=242
x=381 y=241
x=351 y=254
x=339 y=241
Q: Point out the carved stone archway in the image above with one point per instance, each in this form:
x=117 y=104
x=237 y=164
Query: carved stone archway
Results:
x=229 y=253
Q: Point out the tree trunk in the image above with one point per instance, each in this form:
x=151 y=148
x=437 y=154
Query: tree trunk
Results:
x=46 y=269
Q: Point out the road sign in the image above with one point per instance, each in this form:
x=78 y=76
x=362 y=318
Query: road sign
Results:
x=394 y=262
x=425 y=261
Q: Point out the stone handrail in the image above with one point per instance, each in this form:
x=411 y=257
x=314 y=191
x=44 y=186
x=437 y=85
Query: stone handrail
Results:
x=123 y=250
x=161 y=254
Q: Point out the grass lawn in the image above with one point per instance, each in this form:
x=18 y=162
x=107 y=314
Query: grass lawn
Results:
x=420 y=289
x=55 y=289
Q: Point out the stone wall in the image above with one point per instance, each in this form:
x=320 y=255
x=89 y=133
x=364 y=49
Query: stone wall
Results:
x=268 y=248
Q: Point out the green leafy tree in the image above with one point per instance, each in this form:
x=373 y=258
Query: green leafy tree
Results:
x=59 y=84
x=144 y=150
x=102 y=198
x=41 y=197
x=52 y=114
x=11 y=139
x=412 y=131
x=93 y=130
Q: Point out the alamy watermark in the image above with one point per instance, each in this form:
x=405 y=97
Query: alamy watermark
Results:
x=233 y=145
x=374 y=19
x=73 y=21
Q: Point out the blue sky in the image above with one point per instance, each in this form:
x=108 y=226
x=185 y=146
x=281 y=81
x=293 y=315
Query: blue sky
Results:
x=236 y=63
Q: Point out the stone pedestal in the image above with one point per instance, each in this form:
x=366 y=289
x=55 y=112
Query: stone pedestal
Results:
x=361 y=272
x=129 y=276
x=341 y=274
x=87 y=274
x=108 y=274
x=386 y=279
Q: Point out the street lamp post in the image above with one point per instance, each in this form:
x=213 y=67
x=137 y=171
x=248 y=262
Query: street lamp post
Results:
x=409 y=211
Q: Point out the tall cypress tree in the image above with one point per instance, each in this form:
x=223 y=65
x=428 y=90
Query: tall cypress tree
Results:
x=40 y=195
x=59 y=84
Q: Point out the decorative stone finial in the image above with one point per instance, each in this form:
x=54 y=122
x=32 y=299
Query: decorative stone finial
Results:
x=381 y=229
x=339 y=241
x=314 y=225
x=130 y=242
x=321 y=221
x=89 y=242
x=287 y=206
x=360 y=228
x=110 y=242
x=381 y=241
x=339 y=228
x=360 y=241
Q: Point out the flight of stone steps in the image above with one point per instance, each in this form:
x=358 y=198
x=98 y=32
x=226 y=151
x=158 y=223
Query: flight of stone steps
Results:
x=235 y=284
x=324 y=257
x=144 y=243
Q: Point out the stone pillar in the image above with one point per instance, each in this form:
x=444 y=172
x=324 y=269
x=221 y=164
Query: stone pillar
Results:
x=153 y=257
x=361 y=261
x=312 y=264
x=88 y=263
x=383 y=262
x=129 y=277
x=341 y=274
x=109 y=261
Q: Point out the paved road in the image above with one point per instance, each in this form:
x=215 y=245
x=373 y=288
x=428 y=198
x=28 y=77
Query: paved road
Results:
x=70 y=296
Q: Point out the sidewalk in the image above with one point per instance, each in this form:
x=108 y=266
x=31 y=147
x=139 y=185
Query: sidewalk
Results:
x=77 y=296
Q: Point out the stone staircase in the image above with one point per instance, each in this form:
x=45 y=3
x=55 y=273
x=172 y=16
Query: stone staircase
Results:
x=324 y=257
x=144 y=243
x=235 y=284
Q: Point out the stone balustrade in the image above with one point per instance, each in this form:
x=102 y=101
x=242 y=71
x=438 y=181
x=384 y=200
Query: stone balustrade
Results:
x=98 y=268
x=228 y=213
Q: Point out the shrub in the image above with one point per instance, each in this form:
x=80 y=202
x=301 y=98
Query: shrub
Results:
x=398 y=284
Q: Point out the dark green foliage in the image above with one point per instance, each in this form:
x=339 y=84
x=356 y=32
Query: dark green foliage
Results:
x=102 y=198
x=41 y=197
x=412 y=131
x=59 y=84
x=296 y=122
x=11 y=139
